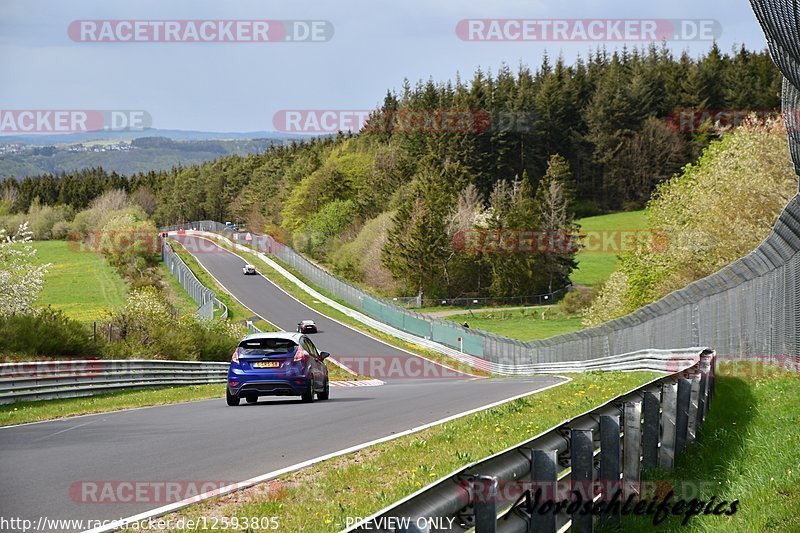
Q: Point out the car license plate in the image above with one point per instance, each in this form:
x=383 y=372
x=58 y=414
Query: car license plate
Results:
x=267 y=364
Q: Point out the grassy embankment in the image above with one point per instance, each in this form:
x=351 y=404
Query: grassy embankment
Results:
x=607 y=237
x=748 y=450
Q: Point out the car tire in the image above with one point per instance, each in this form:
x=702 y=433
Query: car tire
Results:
x=308 y=395
x=326 y=392
x=251 y=399
x=232 y=399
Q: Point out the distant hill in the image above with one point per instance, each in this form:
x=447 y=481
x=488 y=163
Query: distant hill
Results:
x=176 y=135
x=114 y=152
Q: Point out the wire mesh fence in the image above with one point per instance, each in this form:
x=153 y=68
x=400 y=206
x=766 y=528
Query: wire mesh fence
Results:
x=206 y=298
x=780 y=20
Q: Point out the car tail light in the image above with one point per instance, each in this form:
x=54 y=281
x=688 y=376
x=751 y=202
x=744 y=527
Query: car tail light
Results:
x=299 y=355
x=235 y=357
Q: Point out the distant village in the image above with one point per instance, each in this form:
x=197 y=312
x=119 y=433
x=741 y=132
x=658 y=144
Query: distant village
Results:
x=18 y=148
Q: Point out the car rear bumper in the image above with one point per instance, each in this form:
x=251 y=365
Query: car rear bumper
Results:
x=293 y=387
x=266 y=384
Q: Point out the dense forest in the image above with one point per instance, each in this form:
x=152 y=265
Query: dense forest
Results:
x=390 y=205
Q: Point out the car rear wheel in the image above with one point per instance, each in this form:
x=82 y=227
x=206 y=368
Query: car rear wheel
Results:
x=251 y=399
x=325 y=394
x=231 y=399
x=308 y=394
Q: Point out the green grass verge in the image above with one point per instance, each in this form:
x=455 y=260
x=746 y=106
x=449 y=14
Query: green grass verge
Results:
x=80 y=283
x=177 y=295
x=595 y=266
x=748 y=449
x=321 y=497
x=523 y=324
x=277 y=278
x=236 y=311
x=22 y=412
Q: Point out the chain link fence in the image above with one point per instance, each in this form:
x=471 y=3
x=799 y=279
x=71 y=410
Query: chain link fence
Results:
x=206 y=298
x=780 y=20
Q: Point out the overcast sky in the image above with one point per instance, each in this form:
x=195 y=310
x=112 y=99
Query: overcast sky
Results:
x=240 y=86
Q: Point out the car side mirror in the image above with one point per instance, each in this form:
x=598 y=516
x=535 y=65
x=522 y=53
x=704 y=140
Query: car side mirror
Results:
x=324 y=355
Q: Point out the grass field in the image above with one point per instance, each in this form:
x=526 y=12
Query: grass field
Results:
x=80 y=283
x=523 y=324
x=598 y=261
x=176 y=293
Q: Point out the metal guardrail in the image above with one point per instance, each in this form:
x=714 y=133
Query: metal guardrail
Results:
x=595 y=454
x=206 y=298
x=69 y=379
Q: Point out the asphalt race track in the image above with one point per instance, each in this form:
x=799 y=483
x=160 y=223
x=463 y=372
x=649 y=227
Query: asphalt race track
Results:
x=50 y=468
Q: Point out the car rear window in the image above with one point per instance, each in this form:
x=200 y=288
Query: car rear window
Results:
x=266 y=346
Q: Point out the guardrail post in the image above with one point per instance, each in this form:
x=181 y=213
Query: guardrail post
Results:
x=712 y=383
x=650 y=430
x=610 y=463
x=669 y=405
x=582 y=476
x=543 y=476
x=702 y=400
x=682 y=415
x=485 y=504
x=694 y=395
x=632 y=447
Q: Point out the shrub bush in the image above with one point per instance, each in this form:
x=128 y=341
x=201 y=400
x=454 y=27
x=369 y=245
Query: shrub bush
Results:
x=48 y=332
x=576 y=300
x=148 y=329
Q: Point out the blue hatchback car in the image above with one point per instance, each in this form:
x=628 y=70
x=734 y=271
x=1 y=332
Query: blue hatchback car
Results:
x=277 y=364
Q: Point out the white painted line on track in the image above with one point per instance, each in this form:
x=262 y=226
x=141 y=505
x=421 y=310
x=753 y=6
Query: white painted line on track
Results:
x=118 y=524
